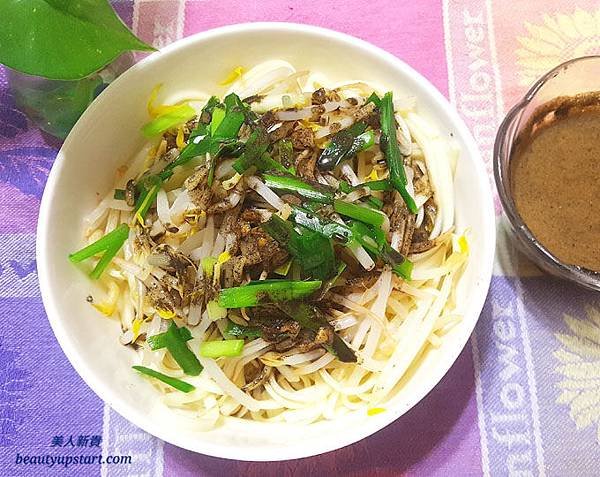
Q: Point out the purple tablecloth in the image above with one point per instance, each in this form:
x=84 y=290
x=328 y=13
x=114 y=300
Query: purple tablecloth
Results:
x=524 y=397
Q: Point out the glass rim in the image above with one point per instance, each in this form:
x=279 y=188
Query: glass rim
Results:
x=534 y=249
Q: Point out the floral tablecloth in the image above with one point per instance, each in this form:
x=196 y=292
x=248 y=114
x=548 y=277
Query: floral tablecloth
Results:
x=524 y=397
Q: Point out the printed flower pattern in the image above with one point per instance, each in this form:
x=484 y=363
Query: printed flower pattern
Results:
x=580 y=369
x=556 y=39
x=13 y=385
x=12 y=121
x=26 y=168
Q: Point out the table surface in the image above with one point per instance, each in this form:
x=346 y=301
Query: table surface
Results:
x=524 y=396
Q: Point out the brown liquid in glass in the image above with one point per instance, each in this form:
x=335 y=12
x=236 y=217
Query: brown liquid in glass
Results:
x=555 y=178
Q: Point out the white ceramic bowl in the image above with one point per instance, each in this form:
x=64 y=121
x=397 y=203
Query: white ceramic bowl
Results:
x=108 y=135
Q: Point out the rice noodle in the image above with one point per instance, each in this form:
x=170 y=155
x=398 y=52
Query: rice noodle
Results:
x=378 y=308
x=316 y=365
x=439 y=168
x=256 y=345
x=215 y=372
x=260 y=77
x=296 y=359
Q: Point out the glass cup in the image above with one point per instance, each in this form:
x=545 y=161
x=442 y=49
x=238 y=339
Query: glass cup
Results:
x=573 y=77
x=54 y=105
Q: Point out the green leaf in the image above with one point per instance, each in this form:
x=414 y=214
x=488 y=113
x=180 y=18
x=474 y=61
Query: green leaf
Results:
x=376 y=100
x=62 y=39
x=311 y=249
x=217 y=117
x=256 y=145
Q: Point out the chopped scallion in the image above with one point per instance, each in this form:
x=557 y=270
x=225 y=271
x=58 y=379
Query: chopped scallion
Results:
x=311 y=318
x=316 y=192
x=391 y=151
x=358 y=212
x=374 y=203
x=237 y=331
x=266 y=291
x=176 y=116
x=382 y=184
x=256 y=145
x=376 y=100
x=373 y=240
x=224 y=127
x=218 y=115
x=171 y=381
x=175 y=341
x=148 y=198
x=109 y=244
x=224 y=348
x=312 y=221
x=344 y=145
x=160 y=340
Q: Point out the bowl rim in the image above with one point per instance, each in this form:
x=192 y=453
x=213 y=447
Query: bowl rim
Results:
x=374 y=424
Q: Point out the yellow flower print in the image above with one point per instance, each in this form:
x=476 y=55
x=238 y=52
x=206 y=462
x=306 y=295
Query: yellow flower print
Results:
x=579 y=366
x=556 y=39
